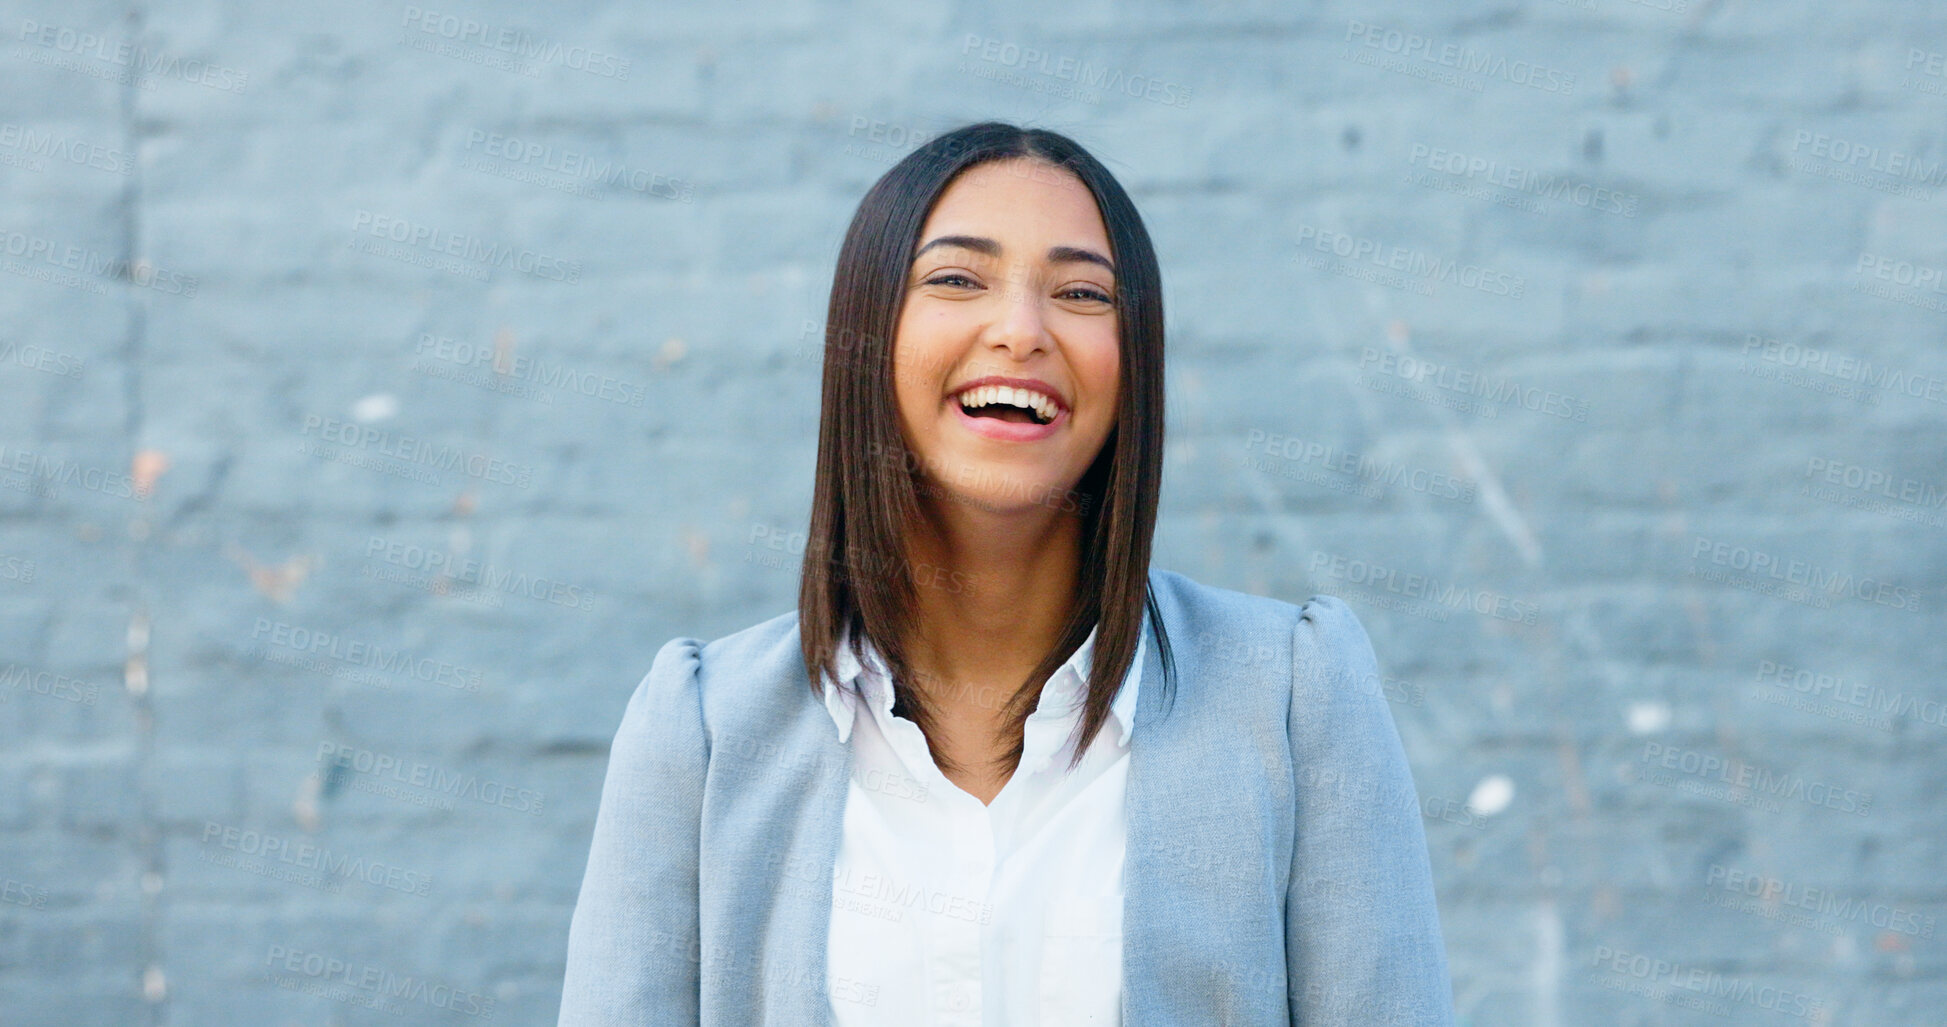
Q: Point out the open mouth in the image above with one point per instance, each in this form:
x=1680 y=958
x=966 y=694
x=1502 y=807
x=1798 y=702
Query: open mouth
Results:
x=1018 y=406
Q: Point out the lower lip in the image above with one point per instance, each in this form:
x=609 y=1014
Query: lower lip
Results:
x=1008 y=431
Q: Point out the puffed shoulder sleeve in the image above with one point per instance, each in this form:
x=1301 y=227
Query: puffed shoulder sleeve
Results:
x=1362 y=931
x=632 y=941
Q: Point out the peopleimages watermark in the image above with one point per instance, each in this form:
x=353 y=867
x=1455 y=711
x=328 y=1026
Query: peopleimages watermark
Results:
x=1926 y=71
x=967 y=478
x=1382 y=582
x=1191 y=858
x=1789 y=578
x=889 y=898
x=16 y=568
x=423 y=245
x=1251 y=655
x=774 y=547
x=1332 y=999
x=490 y=368
x=859 y=353
x=1837 y=373
x=1759 y=895
x=75 y=267
x=35 y=357
x=18 y=678
x=1361 y=473
x=750 y=968
x=570 y=171
x=379 y=985
x=748 y=755
x=741 y=755
x=1061 y=69
x=383 y=770
x=1379 y=792
x=1901 y=281
x=1746 y=784
x=301 y=862
x=1462 y=168
x=1694 y=987
x=1465 y=390
x=1399 y=266
x=422 y=460
x=315 y=648
x=23 y=146
x=20 y=893
x=1423 y=57
x=1667 y=6
x=1888 y=171
x=517 y=45
x=1875 y=491
x=43 y=475
x=120 y=61
x=1840 y=698
x=447 y=567
x=898 y=138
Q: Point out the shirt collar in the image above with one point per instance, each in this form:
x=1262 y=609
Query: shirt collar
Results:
x=1061 y=686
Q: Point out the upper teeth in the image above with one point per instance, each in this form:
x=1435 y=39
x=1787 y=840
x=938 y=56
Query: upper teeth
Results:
x=987 y=394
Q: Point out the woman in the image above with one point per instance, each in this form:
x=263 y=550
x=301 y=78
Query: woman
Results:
x=996 y=769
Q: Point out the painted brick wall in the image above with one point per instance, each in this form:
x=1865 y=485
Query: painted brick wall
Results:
x=1591 y=350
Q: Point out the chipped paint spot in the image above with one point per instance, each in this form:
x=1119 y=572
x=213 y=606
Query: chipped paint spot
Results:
x=673 y=351
x=379 y=406
x=277 y=581
x=1492 y=795
x=1648 y=716
x=145 y=468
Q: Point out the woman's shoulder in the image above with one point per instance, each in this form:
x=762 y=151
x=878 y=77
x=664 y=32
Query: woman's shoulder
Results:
x=1320 y=624
x=768 y=642
x=748 y=680
x=1318 y=647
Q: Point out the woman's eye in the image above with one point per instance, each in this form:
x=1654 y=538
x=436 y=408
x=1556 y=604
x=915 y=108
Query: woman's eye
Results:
x=1087 y=293
x=947 y=278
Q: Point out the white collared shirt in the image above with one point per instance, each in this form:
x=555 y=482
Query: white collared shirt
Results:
x=950 y=913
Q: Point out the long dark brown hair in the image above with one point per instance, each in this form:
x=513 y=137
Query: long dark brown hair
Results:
x=856 y=571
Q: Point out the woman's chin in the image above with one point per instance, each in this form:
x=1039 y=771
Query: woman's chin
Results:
x=1003 y=496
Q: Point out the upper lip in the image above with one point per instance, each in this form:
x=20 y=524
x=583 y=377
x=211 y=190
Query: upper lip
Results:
x=1031 y=384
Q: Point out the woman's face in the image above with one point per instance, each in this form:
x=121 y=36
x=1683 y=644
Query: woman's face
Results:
x=1012 y=279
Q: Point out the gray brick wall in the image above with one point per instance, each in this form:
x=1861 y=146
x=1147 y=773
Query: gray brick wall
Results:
x=1591 y=350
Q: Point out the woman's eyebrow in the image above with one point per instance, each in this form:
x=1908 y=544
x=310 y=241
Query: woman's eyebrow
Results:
x=1071 y=254
x=988 y=247
x=976 y=243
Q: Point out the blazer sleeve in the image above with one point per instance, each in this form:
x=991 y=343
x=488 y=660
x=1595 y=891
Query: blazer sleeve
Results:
x=632 y=945
x=1362 y=931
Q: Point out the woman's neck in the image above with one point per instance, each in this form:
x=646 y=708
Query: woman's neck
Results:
x=993 y=594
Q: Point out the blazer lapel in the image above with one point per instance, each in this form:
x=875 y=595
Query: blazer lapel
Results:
x=1149 y=805
x=1201 y=941
x=770 y=845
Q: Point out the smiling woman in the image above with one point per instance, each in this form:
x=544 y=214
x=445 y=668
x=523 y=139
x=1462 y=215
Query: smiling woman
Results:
x=1004 y=268
x=969 y=780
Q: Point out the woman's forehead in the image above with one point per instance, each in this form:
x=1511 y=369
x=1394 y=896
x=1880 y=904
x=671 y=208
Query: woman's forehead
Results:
x=1015 y=211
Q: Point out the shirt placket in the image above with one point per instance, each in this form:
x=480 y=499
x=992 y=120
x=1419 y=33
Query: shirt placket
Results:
x=958 y=887
x=958 y=968
x=955 y=886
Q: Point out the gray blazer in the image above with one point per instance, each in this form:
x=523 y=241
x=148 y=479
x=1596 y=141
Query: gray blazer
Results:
x=1276 y=869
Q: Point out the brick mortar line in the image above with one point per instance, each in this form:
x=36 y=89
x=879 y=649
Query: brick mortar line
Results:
x=153 y=988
